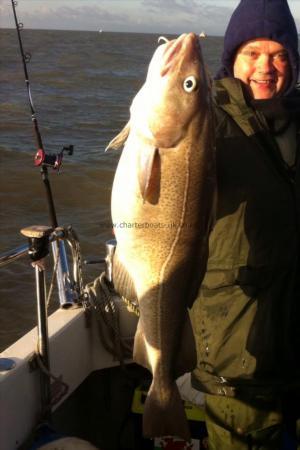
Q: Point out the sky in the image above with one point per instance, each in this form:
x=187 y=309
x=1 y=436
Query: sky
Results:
x=149 y=16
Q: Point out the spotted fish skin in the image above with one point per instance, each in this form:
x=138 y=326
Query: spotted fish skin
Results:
x=163 y=200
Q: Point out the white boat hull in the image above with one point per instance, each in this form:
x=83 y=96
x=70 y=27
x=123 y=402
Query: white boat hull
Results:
x=75 y=352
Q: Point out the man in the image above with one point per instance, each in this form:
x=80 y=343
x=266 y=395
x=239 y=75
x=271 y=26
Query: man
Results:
x=246 y=318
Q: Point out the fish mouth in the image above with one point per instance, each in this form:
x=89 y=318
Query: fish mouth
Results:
x=186 y=45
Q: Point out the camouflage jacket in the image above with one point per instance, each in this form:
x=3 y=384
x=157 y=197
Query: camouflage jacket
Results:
x=246 y=319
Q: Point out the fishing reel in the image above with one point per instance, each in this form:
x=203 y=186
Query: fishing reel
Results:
x=52 y=160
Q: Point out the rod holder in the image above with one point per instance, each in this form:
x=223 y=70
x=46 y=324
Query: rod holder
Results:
x=110 y=251
x=38 y=237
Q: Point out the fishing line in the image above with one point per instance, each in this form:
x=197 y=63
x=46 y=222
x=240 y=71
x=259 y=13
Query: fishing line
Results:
x=42 y=159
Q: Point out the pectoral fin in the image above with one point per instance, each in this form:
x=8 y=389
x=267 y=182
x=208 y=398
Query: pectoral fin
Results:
x=119 y=140
x=149 y=175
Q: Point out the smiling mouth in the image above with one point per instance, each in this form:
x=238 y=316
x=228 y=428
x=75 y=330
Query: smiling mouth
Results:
x=264 y=82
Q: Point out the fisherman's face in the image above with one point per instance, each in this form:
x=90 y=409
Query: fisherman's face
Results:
x=263 y=65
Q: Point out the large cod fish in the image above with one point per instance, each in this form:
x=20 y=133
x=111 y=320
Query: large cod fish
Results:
x=162 y=211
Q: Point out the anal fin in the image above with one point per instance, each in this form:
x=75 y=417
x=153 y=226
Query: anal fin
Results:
x=122 y=281
x=186 y=358
x=140 y=353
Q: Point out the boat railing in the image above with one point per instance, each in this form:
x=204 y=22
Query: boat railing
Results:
x=69 y=283
x=13 y=255
x=70 y=288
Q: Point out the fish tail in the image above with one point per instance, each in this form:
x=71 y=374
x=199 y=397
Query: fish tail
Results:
x=164 y=414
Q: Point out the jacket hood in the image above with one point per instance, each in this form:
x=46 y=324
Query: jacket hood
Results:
x=271 y=19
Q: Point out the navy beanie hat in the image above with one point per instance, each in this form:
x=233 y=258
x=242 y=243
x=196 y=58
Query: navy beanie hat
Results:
x=271 y=19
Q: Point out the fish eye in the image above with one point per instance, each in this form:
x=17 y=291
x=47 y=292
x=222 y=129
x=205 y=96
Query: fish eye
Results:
x=190 y=84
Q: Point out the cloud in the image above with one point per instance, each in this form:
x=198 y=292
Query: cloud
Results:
x=190 y=8
x=161 y=16
x=170 y=6
x=190 y=15
x=166 y=16
x=83 y=17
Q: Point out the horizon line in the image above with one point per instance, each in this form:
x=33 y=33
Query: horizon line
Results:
x=106 y=31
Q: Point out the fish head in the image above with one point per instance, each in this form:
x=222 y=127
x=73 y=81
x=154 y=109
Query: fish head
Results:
x=176 y=89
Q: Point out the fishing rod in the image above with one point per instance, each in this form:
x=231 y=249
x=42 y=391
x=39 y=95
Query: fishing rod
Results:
x=68 y=296
x=41 y=158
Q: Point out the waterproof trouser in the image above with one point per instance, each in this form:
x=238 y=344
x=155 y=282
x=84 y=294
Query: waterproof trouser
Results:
x=233 y=424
